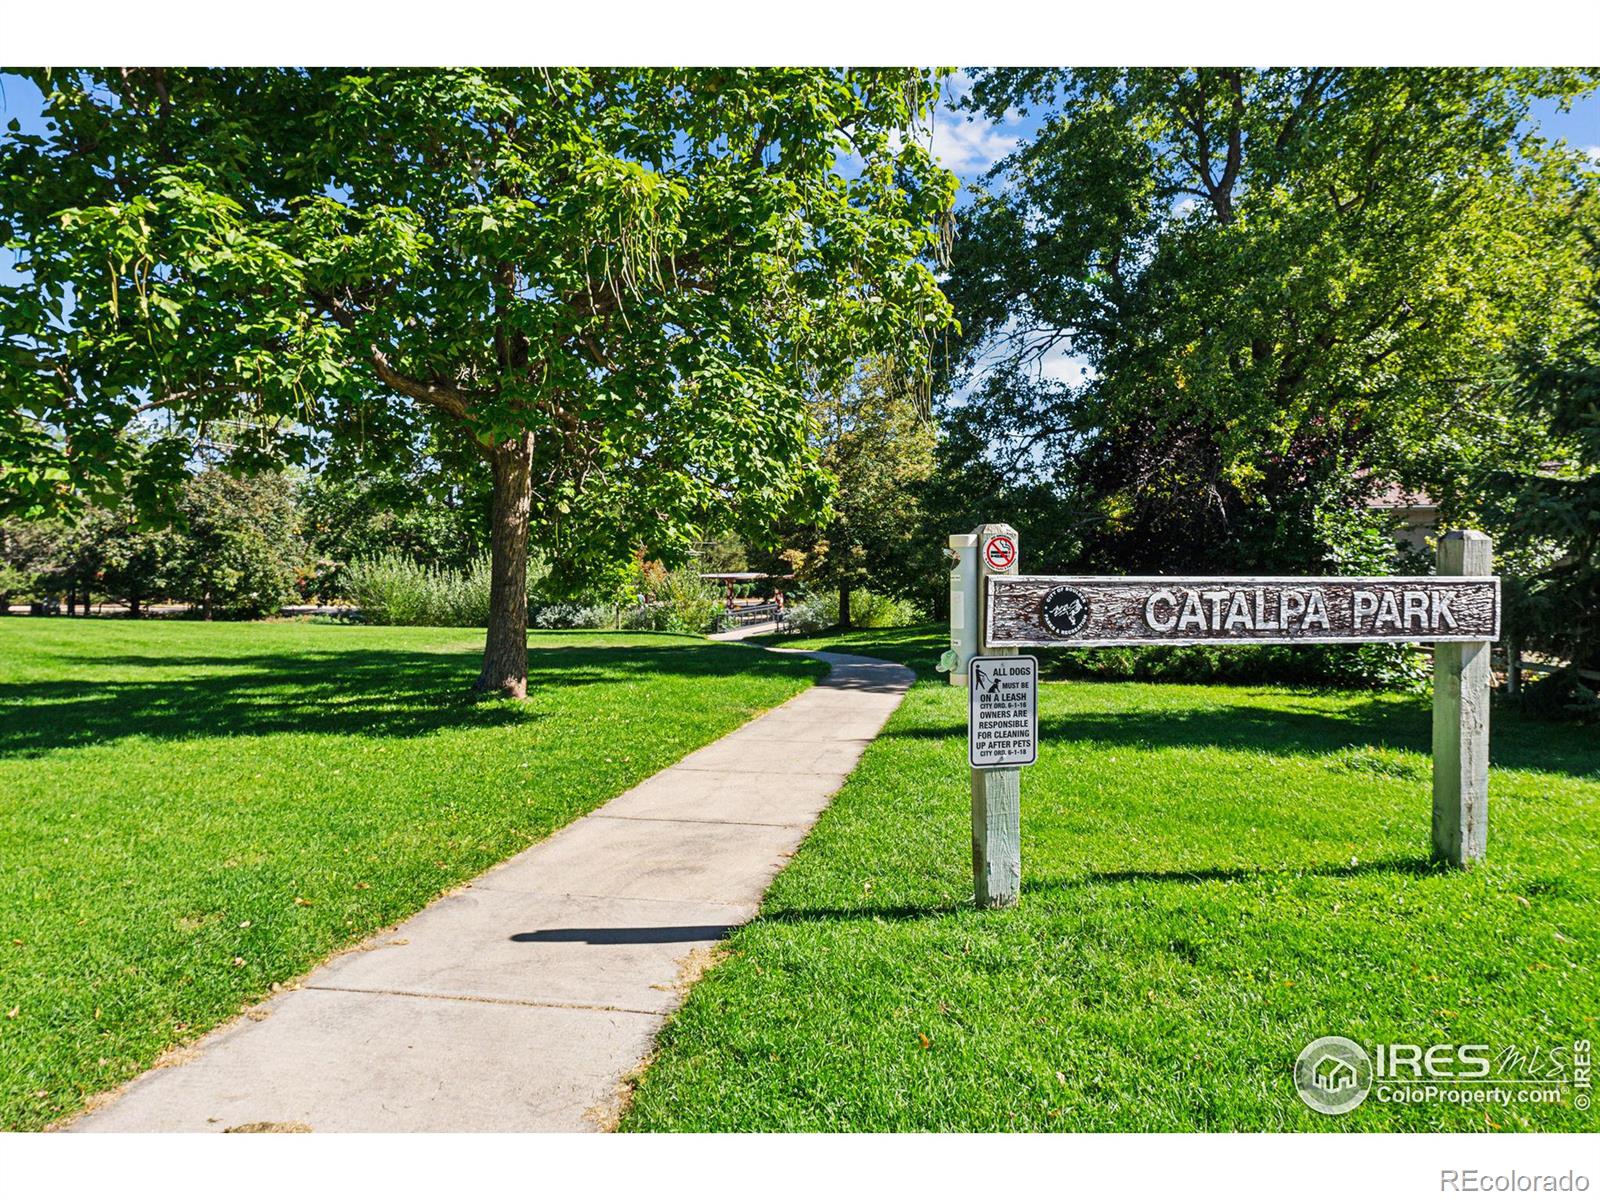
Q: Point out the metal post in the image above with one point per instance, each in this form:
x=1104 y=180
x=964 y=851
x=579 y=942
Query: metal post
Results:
x=1461 y=679
x=996 y=791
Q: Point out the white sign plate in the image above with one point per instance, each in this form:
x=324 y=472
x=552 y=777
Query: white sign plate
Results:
x=1003 y=711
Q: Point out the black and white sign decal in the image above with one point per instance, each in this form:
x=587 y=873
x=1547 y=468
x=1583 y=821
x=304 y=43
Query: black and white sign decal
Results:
x=1064 y=611
x=1041 y=610
x=1003 y=711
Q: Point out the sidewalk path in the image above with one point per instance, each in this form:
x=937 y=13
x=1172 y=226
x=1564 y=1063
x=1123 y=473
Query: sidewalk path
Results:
x=522 y=1000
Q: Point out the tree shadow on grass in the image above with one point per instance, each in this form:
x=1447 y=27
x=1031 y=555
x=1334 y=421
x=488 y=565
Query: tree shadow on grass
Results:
x=1292 y=726
x=1412 y=865
x=914 y=646
x=1415 y=866
x=364 y=692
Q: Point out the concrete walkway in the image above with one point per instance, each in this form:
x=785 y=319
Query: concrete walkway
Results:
x=523 y=1000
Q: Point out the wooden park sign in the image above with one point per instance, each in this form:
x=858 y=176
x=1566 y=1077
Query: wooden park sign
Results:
x=993 y=611
x=1041 y=610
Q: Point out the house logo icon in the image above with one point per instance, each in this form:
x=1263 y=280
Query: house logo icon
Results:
x=1333 y=1075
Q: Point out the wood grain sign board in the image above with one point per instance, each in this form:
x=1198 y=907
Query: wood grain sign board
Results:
x=1156 y=610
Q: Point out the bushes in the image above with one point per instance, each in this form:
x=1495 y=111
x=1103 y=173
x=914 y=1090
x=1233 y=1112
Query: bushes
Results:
x=684 y=603
x=1562 y=696
x=688 y=603
x=564 y=615
x=868 y=610
x=393 y=590
x=1374 y=665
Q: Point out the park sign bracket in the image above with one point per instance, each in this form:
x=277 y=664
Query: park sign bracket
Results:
x=994 y=611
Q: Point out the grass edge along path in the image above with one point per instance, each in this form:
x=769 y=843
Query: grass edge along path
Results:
x=193 y=815
x=1214 y=876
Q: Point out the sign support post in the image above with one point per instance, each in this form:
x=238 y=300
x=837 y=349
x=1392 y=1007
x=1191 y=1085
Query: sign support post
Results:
x=996 y=791
x=1461 y=683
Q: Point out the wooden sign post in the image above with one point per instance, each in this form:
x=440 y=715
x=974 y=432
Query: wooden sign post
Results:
x=1461 y=719
x=1458 y=610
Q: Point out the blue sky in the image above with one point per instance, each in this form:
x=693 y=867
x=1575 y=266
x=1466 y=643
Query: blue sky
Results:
x=965 y=146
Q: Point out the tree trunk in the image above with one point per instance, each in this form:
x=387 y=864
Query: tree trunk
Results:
x=505 y=652
x=133 y=607
x=844 y=605
x=72 y=601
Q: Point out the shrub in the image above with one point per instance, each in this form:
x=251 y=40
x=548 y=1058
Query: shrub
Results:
x=868 y=610
x=688 y=603
x=684 y=603
x=640 y=616
x=393 y=590
x=15 y=585
x=567 y=615
x=813 y=614
x=1562 y=695
x=1375 y=665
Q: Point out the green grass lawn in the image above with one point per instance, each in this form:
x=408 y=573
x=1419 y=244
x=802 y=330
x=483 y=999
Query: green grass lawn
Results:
x=191 y=813
x=1214 y=876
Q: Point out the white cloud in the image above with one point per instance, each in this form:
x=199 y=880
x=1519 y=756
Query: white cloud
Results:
x=968 y=147
x=1593 y=152
x=1061 y=365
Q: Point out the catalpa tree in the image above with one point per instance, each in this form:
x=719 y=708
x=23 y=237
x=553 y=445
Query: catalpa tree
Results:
x=610 y=290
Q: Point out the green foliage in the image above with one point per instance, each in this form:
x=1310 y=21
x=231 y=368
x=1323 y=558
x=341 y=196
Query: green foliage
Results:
x=1548 y=518
x=109 y=552
x=1562 y=695
x=689 y=603
x=15 y=584
x=240 y=548
x=877 y=445
x=392 y=589
x=126 y=558
x=624 y=280
x=725 y=553
x=868 y=610
x=39 y=556
x=672 y=601
x=368 y=514
x=564 y=615
x=196 y=814
x=1287 y=286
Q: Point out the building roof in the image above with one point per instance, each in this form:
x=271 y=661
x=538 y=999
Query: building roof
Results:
x=1392 y=495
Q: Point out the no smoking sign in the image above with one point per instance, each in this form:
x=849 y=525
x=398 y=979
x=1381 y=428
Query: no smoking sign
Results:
x=1000 y=552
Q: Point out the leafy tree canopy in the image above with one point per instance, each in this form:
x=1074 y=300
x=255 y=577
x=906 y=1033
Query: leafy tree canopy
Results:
x=1548 y=518
x=609 y=286
x=1286 y=285
x=877 y=443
